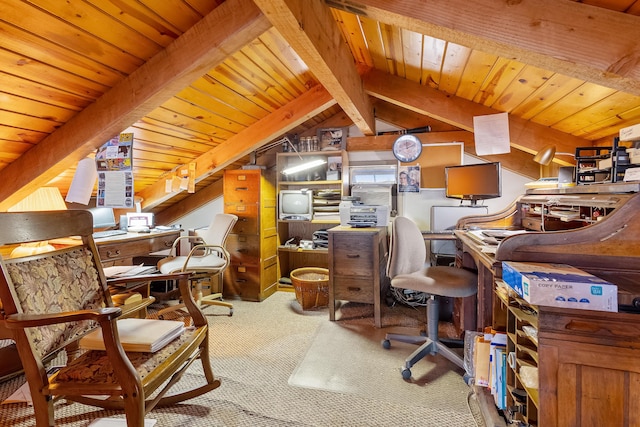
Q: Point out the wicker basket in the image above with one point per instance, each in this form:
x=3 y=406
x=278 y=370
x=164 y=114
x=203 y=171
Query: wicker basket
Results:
x=312 y=286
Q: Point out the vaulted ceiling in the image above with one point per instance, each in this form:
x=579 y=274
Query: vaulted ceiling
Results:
x=209 y=82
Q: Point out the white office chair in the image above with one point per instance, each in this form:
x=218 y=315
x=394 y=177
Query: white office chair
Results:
x=406 y=269
x=208 y=258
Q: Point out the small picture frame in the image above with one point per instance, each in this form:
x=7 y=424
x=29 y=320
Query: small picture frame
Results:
x=333 y=138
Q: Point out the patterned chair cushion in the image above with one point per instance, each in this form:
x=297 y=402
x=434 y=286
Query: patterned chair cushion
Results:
x=93 y=367
x=65 y=281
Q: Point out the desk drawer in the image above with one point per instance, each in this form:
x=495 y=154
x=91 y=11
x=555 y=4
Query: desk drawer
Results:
x=356 y=289
x=247 y=217
x=241 y=187
x=244 y=249
x=352 y=257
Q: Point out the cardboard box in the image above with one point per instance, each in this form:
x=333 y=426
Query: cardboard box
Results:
x=560 y=285
x=630 y=133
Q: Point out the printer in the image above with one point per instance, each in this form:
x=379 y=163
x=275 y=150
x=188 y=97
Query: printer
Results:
x=359 y=215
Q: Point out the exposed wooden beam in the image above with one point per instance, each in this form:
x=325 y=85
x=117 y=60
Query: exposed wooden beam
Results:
x=226 y=29
x=304 y=107
x=572 y=38
x=525 y=135
x=310 y=29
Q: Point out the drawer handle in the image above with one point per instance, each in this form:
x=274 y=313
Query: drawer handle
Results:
x=242 y=219
x=242 y=188
x=353 y=256
x=241 y=280
x=168 y=244
x=111 y=254
x=354 y=289
x=243 y=251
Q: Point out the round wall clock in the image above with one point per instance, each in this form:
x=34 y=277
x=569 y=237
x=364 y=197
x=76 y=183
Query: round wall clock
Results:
x=407 y=148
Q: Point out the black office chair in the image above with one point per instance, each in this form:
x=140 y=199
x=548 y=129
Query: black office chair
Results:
x=406 y=269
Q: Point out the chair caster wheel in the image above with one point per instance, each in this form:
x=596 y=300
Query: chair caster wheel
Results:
x=406 y=373
x=230 y=312
x=386 y=344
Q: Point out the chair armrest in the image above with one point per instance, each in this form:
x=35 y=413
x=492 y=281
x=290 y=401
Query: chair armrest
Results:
x=172 y=251
x=209 y=248
x=19 y=321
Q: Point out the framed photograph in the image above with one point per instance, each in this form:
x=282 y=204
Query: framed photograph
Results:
x=333 y=138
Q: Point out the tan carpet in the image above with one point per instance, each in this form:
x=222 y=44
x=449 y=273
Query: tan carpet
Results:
x=260 y=355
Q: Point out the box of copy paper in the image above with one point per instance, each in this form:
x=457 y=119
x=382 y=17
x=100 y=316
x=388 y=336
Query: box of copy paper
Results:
x=560 y=285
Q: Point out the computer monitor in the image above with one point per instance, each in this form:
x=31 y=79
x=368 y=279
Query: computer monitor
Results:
x=102 y=217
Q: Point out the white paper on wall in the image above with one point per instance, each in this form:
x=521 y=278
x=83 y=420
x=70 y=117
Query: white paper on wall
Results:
x=83 y=182
x=491 y=134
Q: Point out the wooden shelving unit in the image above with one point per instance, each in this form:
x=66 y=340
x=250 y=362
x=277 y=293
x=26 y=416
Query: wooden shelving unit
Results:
x=289 y=257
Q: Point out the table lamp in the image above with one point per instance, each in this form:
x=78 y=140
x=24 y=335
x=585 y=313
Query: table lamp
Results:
x=43 y=199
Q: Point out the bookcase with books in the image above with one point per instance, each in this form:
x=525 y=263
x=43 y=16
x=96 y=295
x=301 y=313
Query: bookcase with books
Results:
x=303 y=241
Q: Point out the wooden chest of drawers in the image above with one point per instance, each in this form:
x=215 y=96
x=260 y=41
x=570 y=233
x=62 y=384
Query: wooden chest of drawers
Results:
x=252 y=244
x=357 y=261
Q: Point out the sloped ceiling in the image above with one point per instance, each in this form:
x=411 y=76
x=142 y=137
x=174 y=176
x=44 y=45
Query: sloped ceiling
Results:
x=210 y=82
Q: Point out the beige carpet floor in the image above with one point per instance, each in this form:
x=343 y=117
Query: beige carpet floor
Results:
x=281 y=366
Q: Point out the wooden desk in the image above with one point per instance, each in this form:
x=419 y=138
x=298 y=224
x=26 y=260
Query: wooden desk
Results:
x=357 y=260
x=470 y=314
x=121 y=249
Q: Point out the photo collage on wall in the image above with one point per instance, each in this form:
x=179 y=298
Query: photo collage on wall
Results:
x=409 y=179
x=114 y=163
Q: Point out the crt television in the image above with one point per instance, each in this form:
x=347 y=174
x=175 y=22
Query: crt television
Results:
x=473 y=182
x=295 y=205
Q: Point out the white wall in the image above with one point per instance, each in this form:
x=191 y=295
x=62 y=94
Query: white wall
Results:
x=417 y=206
x=201 y=217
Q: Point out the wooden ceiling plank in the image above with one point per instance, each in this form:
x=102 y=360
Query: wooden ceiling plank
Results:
x=433 y=51
x=38 y=22
x=100 y=27
x=412 y=55
x=218 y=90
x=353 y=34
x=552 y=89
x=32 y=46
x=167 y=131
x=137 y=16
x=475 y=73
x=196 y=112
x=311 y=30
x=524 y=135
x=42 y=93
x=453 y=64
x=574 y=102
x=502 y=74
x=279 y=122
x=288 y=57
x=213 y=105
x=226 y=29
x=30 y=107
x=34 y=70
x=567 y=37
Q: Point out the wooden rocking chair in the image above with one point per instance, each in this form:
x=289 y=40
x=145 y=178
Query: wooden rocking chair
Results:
x=52 y=299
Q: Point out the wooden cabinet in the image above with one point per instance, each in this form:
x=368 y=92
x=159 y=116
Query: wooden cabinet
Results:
x=589 y=368
x=357 y=261
x=291 y=255
x=588 y=361
x=253 y=273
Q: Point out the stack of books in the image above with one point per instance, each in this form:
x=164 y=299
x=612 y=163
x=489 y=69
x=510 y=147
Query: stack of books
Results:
x=140 y=335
